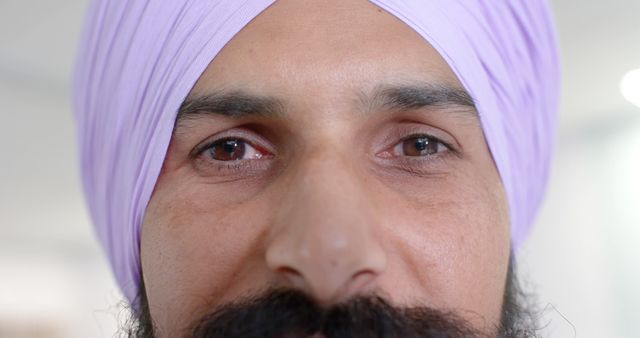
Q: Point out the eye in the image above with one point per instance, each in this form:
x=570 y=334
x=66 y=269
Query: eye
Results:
x=232 y=149
x=419 y=145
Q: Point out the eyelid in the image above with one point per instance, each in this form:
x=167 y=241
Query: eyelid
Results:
x=427 y=135
x=245 y=134
x=404 y=131
x=391 y=150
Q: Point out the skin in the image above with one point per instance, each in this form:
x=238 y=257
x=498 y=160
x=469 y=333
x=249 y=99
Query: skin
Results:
x=330 y=208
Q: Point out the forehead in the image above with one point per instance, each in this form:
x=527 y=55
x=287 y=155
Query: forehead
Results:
x=333 y=48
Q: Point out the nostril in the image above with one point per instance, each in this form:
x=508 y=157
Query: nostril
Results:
x=363 y=274
x=361 y=282
x=291 y=276
x=285 y=270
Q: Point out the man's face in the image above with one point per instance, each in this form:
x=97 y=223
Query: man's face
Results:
x=327 y=149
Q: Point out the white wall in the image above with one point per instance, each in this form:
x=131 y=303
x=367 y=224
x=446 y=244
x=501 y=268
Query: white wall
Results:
x=584 y=251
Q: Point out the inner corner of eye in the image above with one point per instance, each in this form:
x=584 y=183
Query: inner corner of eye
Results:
x=385 y=154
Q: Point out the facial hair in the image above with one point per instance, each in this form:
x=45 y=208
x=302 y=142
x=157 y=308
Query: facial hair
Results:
x=289 y=313
x=292 y=314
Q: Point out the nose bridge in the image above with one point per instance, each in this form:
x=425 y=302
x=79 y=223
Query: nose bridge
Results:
x=323 y=240
x=330 y=186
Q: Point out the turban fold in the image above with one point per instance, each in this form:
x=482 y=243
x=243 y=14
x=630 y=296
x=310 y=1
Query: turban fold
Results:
x=138 y=60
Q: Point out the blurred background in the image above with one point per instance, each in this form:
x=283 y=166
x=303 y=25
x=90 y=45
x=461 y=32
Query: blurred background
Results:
x=582 y=258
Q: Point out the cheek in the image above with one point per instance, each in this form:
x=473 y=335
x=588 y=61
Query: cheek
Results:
x=195 y=249
x=450 y=238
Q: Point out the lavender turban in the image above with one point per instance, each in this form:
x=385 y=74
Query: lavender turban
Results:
x=139 y=59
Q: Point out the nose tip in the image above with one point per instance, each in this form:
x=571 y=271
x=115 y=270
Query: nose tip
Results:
x=328 y=278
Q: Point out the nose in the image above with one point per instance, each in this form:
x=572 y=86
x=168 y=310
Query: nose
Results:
x=323 y=240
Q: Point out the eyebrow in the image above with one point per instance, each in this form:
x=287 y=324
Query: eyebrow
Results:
x=240 y=104
x=406 y=97
x=236 y=104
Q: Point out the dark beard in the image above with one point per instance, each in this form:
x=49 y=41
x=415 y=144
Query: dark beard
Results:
x=286 y=313
x=289 y=313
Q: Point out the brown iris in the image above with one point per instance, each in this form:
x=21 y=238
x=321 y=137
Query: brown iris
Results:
x=227 y=150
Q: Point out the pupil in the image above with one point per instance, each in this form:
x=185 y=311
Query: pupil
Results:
x=421 y=144
x=230 y=146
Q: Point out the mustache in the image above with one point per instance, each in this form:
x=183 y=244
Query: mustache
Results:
x=291 y=314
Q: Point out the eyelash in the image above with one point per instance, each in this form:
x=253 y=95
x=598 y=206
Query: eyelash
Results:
x=233 y=165
x=239 y=166
x=448 y=147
